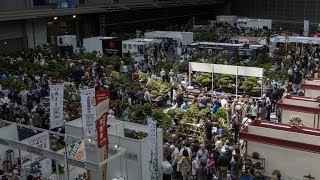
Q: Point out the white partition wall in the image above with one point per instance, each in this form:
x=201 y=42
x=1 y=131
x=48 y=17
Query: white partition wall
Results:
x=304 y=107
x=295 y=151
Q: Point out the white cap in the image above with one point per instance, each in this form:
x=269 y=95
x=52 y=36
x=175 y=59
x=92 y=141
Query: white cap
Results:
x=223 y=150
x=172 y=147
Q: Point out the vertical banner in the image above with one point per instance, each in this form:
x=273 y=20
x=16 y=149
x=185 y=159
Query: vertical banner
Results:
x=152 y=136
x=41 y=141
x=56 y=106
x=306 y=25
x=88 y=112
x=102 y=108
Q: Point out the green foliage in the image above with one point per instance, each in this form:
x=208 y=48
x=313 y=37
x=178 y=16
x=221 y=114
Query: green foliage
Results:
x=115 y=74
x=179 y=112
x=12 y=84
x=275 y=172
x=206 y=35
x=142 y=110
x=192 y=112
x=204 y=112
x=142 y=75
x=255 y=155
x=171 y=113
x=251 y=85
x=166 y=65
x=227 y=81
x=204 y=80
x=221 y=113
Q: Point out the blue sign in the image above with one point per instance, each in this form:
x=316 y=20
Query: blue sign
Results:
x=66 y=4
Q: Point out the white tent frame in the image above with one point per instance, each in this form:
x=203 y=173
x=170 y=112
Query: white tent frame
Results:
x=226 y=69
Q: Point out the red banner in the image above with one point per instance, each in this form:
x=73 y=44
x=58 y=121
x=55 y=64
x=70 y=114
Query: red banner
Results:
x=102 y=107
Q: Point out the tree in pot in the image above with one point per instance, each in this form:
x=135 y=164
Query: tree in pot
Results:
x=251 y=85
x=226 y=82
x=276 y=173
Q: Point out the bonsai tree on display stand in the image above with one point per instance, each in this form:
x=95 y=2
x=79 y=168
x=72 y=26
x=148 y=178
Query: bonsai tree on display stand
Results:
x=227 y=82
x=251 y=86
x=221 y=115
x=204 y=80
x=276 y=173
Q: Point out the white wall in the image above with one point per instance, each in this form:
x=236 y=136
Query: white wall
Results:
x=311 y=93
x=306 y=117
x=8 y=132
x=291 y=163
x=92 y=44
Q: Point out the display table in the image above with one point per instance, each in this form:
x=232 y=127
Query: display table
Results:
x=304 y=107
x=311 y=87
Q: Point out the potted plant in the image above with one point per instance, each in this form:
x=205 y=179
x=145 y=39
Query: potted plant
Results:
x=295 y=120
x=204 y=80
x=276 y=172
x=251 y=85
x=221 y=115
x=258 y=175
x=227 y=82
x=255 y=155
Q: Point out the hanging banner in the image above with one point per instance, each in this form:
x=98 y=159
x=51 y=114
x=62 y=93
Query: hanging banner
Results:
x=56 y=106
x=88 y=112
x=102 y=108
x=76 y=150
x=40 y=141
x=152 y=136
x=306 y=25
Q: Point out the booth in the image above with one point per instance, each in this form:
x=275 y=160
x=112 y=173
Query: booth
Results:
x=306 y=108
x=138 y=46
x=137 y=154
x=243 y=50
x=311 y=87
x=293 y=150
x=254 y=23
x=228 y=19
x=103 y=45
x=225 y=69
x=67 y=44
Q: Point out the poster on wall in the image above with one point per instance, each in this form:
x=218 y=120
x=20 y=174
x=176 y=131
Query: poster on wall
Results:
x=41 y=141
x=56 y=106
x=76 y=150
x=112 y=47
x=152 y=137
x=88 y=112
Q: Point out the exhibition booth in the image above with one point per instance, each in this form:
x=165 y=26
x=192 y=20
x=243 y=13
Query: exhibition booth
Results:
x=306 y=108
x=103 y=45
x=293 y=151
x=135 y=162
x=254 y=23
x=225 y=69
x=236 y=51
x=67 y=44
x=33 y=148
x=311 y=87
x=138 y=46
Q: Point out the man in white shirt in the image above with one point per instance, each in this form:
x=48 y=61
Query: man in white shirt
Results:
x=174 y=158
x=166 y=168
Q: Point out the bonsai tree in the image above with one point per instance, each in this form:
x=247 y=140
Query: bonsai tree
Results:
x=227 y=81
x=221 y=114
x=204 y=80
x=255 y=155
x=276 y=172
x=251 y=85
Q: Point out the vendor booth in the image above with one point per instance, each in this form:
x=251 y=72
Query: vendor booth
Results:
x=236 y=51
x=306 y=108
x=311 y=87
x=171 y=40
x=137 y=154
x=254 y=23
x=103 y=45
x=228 y=19
x=292 y=150
x=67 y=44
x=138 y=46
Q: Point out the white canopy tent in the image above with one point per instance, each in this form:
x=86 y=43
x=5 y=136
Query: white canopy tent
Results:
x=225 y=69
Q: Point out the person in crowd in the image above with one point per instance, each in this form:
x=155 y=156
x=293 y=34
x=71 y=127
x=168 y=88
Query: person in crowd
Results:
x=234 y=170
x=195 y=167
x=174 y=160
x=210 y=166
x=223 y=164
x=185 y=106
x=202 y=155
x=185 y=165
x=166 y=168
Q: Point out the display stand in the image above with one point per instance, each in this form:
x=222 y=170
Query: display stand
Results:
x=284 y=146
x=306 y=108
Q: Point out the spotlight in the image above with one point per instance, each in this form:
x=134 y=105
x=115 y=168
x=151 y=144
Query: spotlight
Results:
x=90 y=140
x=74 y=16
x=55 y=18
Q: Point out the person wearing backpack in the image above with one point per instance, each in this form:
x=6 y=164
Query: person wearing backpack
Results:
x=185 y=165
